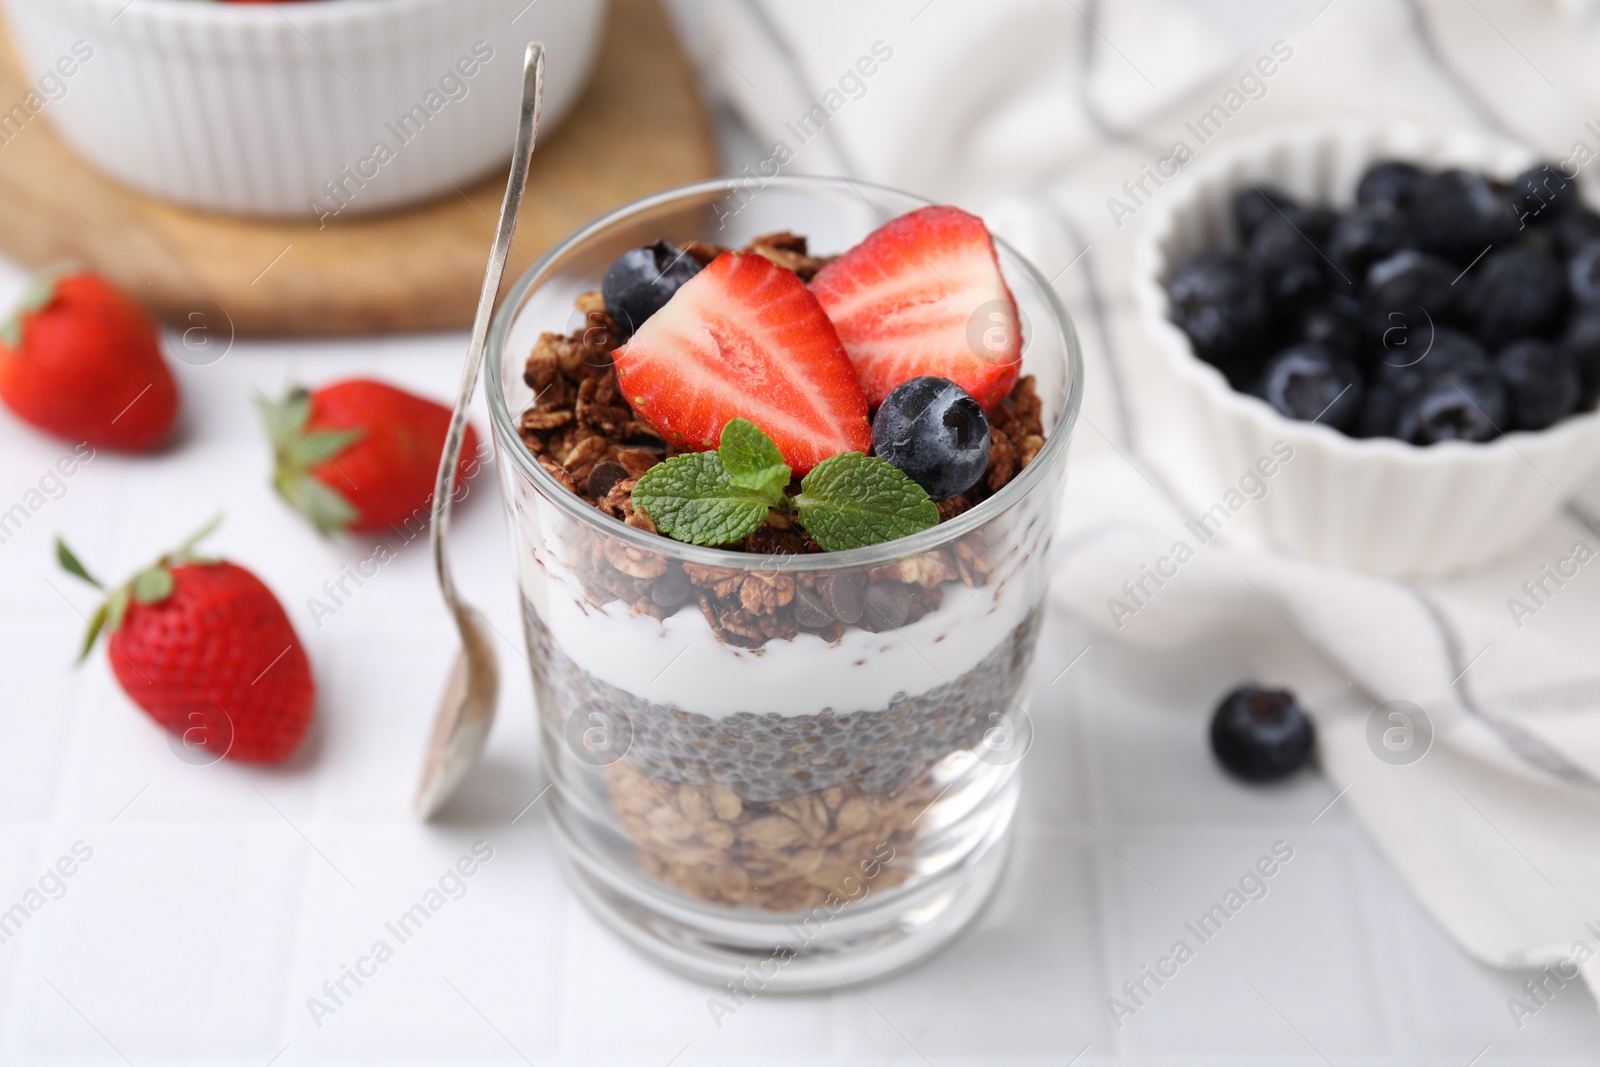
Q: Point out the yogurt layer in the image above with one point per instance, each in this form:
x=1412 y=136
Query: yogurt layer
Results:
x=679 y=661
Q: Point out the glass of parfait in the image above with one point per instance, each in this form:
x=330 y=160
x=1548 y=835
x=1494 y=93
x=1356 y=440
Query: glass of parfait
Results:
x=789 y=768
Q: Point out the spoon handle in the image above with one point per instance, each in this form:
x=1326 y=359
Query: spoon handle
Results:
x=445 y=485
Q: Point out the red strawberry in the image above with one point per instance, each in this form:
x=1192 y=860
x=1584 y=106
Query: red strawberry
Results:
x=923 y=295
x=361 y=455
x=744 y=338
x=82 y=361
x=207 y=651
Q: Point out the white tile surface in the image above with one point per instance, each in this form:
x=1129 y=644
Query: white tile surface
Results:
x=220 y=898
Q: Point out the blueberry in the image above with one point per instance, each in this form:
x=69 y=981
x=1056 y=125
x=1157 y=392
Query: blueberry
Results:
x=1261 y=735
x=1448 y=351
x=642 y=280
x=1452 y=393
x=1515 y=292
x=1335 y=322
x=935 y=432
x=1312 y=382
x=1575 y=229
x=1453 y=410
x=1389 y=182
x=1541 y=382
x=1380 y=411
x=1583 y=275
x=1315 y=222
x=1256 y=203
x=1366 y=234
x=1458 y=214
x=1406 y=296
x=1219 y=301
x=1288 y=263
x=1542 y=193
x=1582 y=343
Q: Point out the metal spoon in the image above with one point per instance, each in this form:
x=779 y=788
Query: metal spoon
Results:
x=467 y=710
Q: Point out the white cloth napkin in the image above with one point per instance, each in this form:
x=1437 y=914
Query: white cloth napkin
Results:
x=1034 y=113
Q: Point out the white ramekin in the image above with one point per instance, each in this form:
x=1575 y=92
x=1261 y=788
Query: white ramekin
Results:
x=272 y=109
x=1377 y=505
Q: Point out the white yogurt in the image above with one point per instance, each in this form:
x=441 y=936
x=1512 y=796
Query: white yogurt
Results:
x=678 y=661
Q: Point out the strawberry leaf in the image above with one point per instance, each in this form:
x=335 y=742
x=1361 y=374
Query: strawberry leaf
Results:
x=753 y=461
x=37 y=296
x=71 y=565
x=691 y=498
x=152 y=586
x=296 y=451
x=284 y=422
x=854 y=500
x=116 y=608
x=185 y=552
x=328 y=511
x=320 y=446
x=96 y=624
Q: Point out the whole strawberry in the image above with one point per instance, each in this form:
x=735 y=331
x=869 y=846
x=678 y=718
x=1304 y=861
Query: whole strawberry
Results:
x=361 y=455
x=82 y=361
x=207 y=651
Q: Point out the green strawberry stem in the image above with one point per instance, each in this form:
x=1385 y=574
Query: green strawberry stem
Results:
x=149 y=586
x=37 y=296
x=296 y=451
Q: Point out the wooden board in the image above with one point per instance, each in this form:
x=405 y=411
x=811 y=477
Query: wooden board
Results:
x=639 y=128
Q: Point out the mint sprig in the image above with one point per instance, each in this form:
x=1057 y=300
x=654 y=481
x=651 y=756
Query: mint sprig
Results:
x=752 y=460
x=714 y=498
x=854 y=500
x=692 y=498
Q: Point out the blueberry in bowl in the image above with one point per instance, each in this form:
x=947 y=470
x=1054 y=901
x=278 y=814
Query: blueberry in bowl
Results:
x=1219 y=300
x=1542 y=382
x=1391 y=181
x=1460 y=213
x=1386 y=318
x=1451 y=349
x=1288 y=262
x=1315 y=383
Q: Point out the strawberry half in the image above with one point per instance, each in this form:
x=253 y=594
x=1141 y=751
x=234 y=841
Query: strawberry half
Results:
x=746 y=339
x=923 y=295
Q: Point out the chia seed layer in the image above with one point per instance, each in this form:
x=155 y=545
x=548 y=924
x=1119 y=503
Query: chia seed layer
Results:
x=770 y=757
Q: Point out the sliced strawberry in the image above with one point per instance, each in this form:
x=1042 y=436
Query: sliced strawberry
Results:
x=745 y=339
x=923 y=295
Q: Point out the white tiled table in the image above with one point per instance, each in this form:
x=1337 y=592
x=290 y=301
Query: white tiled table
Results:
x=219 y=899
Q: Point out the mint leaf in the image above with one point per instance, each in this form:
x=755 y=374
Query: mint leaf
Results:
x=854 y=500
x=753 y=461
x=692 y=498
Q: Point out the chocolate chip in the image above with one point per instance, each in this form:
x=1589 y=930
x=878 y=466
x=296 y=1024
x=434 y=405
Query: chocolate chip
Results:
x=671 y=589
x=809 y=610
x=842 y=594
x=603 y=477
x=887 y=605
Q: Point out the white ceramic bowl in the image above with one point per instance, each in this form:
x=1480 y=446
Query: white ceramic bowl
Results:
x=1377 y=505
x=275 y=109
